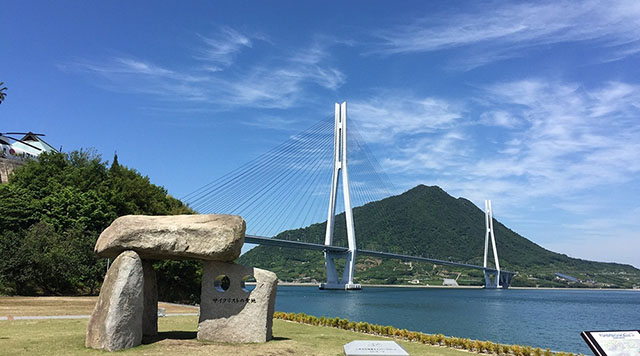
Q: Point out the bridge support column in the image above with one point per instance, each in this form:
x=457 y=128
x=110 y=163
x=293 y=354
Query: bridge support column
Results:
x=491 y=279
x=505 y=279
x=491 y=276
x=344 y=283
x=494 y=279
x=340 y=169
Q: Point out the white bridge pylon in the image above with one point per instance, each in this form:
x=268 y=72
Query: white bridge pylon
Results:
x=492 y=277
x=340 y=169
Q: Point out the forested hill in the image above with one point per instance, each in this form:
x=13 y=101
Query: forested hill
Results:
x=426 y=221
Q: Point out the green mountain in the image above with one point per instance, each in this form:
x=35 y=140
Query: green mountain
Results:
x=426 y=221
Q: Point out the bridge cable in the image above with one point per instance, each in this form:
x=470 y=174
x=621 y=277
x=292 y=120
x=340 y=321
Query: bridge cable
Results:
x=252 y=165
x=238 y=179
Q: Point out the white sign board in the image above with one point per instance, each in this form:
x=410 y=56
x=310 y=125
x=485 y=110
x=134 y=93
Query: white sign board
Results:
x=371 y=347
x=613 y=342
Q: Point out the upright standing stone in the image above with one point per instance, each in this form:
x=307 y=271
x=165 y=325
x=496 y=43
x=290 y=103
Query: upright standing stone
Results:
x=116 y=321
x=229 y=312
x=150 y=312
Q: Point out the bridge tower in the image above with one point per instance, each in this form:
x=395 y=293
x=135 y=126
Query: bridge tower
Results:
x=340 y=169
x=492 y=277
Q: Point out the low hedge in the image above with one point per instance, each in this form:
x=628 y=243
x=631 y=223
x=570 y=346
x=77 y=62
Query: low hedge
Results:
x=485 y=347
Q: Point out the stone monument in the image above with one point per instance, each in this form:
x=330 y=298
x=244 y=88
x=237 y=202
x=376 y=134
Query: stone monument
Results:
x=127 y=308
x=228 y=311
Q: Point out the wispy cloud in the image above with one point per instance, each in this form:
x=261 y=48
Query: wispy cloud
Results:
x=576 y=138
x=386 y=116
x=531 y=138
x=495 y=31
x=273 y=123
x=283 y=85
x=222 y=47
x=133 y=66
x=431 y=152
x=499 y=118
x=271 y=81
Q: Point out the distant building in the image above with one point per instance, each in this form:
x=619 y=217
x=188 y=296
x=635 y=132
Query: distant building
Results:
x=14 y=153
x=450 y=282
x=567 y=277
x=36 y=141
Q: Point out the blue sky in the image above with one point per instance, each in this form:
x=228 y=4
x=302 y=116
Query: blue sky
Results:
x=533 y=105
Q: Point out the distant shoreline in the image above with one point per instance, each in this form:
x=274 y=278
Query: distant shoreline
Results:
x=306 y=284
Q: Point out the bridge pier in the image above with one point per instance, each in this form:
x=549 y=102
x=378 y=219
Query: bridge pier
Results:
x=346 y=282
x=494 y=279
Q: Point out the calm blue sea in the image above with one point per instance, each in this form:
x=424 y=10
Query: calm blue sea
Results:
x=540 y=318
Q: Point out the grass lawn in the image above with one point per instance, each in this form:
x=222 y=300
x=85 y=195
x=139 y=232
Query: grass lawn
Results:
x=177 y=337
x=177 y=334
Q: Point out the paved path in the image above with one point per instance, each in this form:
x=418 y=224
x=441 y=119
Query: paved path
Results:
x=44 y=317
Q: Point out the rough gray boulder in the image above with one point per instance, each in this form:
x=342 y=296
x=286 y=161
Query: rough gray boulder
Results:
x=116 y=321
x=229 y=312
x=204 y=237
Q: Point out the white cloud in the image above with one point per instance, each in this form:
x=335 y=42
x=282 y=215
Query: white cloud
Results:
x=122 y=65
x=548 y=141
x=499 y=118
x=272 y=81
x=128 y=65
x=222 y=47
x=273 y=123
x=623 y=51
x=386 y=116
x=283 y=85
x=495 y=31
x=575 y=138
x=430 y=152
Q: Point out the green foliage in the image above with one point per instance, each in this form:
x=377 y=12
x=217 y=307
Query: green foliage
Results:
x=426 y=221
x=179 y=281
x=52 y=212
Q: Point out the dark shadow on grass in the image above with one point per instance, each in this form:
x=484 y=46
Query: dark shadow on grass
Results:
x=170 y=335
x=185 y=335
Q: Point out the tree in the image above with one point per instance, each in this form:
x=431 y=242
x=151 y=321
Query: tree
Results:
x=2 y=92
x=52 y=212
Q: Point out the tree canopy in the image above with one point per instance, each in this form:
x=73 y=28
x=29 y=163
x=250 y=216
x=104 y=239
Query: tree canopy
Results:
x=52 y=212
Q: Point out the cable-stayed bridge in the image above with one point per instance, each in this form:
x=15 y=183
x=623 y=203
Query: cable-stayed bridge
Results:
x=287 y=188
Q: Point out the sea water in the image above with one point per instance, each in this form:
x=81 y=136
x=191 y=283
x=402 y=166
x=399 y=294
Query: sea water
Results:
x=539 y=318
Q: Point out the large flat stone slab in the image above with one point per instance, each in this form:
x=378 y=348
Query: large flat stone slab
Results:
x=204 y=237
x=231 y=313
x=116 y=321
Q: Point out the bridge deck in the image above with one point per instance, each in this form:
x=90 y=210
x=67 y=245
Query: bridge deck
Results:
x=259 y=240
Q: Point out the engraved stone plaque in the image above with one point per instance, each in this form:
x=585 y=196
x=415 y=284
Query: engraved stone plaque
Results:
x=231 y=313
x=373 y=347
